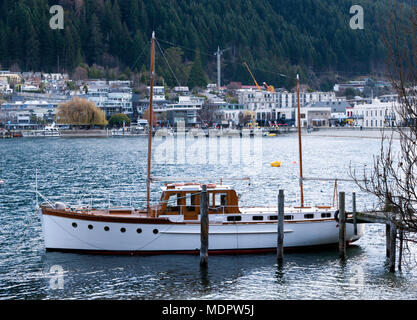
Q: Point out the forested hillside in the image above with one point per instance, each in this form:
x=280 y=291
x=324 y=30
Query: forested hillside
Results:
x=312 y=37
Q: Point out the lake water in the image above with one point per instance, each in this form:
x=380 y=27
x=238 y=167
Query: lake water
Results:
x=97 y=170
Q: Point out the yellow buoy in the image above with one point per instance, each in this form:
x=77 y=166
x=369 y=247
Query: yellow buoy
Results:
x=276 y=164
x=272 y=134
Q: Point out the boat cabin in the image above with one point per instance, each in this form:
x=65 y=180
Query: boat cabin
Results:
x=184 y=199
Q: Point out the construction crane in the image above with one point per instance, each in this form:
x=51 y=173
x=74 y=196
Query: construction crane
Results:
x=269 y=88
x=246 y=65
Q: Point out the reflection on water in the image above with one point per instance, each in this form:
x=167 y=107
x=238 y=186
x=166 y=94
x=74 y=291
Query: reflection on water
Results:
x=73 y=169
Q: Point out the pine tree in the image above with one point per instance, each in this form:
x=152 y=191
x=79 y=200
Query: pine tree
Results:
x=32 y=50
x=95 y=47
x=197 y=77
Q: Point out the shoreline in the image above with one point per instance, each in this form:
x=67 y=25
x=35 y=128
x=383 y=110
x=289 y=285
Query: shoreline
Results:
x=370 y=133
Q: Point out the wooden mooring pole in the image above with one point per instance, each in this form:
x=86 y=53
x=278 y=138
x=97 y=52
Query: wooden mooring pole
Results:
x=280 y=239
x=401 y=237
x=204 y=222
x=392 y=244
x=400 y=253
x=355 y=225
x=388 y=209
x=342 y=226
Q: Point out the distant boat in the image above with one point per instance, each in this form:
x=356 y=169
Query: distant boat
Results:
x=51 y=131
x=1 y=181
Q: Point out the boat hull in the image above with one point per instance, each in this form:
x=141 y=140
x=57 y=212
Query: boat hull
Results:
x=74 y=234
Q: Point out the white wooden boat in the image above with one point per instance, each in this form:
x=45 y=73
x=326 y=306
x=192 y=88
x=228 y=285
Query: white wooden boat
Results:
x=172 y=226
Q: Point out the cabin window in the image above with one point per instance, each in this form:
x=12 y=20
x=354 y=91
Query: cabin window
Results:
x=326 y=215
x=155 y=231
x=273 y=217
x=309 y=216
x=139 y=230
x=74 y=224
x=288 y=217
x=234 y=218
x=106 y=228
x=257 y=218
x=173 y=203
x=122 y=230
x=219 y=199
x=191 y=201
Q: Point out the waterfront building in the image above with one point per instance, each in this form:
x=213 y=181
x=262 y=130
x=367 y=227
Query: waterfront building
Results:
x=231 y=114
x=256 y=99
x=337 y=110
x=314 y=116
x=377 y=114
x=113 y=97
x=186 y=109
x=24 y=114
x=269 y=117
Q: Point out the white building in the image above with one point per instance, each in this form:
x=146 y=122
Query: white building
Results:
x=158 y=93
x=255 y=99
x=112 y=99
x=377 y=114
x=182 y=90
x=29 y=88
x=17 y=113
x=5 y=87
x=186 y=109
x=314 y=117
x=337 y=109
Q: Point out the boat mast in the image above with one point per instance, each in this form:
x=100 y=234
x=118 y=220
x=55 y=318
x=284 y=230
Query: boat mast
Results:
x=299 y=141
x=150 y=123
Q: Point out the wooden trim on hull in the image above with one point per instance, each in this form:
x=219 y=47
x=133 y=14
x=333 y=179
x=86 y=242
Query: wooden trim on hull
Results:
x=196 y=252
x=110 y=218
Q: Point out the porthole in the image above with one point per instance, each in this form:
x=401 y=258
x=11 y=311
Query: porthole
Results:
x=106 y=228
x=139 y=230
x=234 y=218
x=90 y=226
x=74 y=224
x=122 y=230
x=155 y=231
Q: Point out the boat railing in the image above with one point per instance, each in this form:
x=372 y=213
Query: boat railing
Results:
x=220 y=209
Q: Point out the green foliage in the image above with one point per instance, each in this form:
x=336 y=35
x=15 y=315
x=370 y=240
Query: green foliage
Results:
x=116 y=120
x=197 y=77
x=350 y=93
x=273 y=36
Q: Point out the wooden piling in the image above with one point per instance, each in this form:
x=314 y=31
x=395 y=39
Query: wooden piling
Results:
x=342 y=226
x=388 y=210
x=204 y=222
x=400 y=235
x=355 y=225
x=400 y=253
x=280 y=239
x=387 y=240
x=392 y=245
